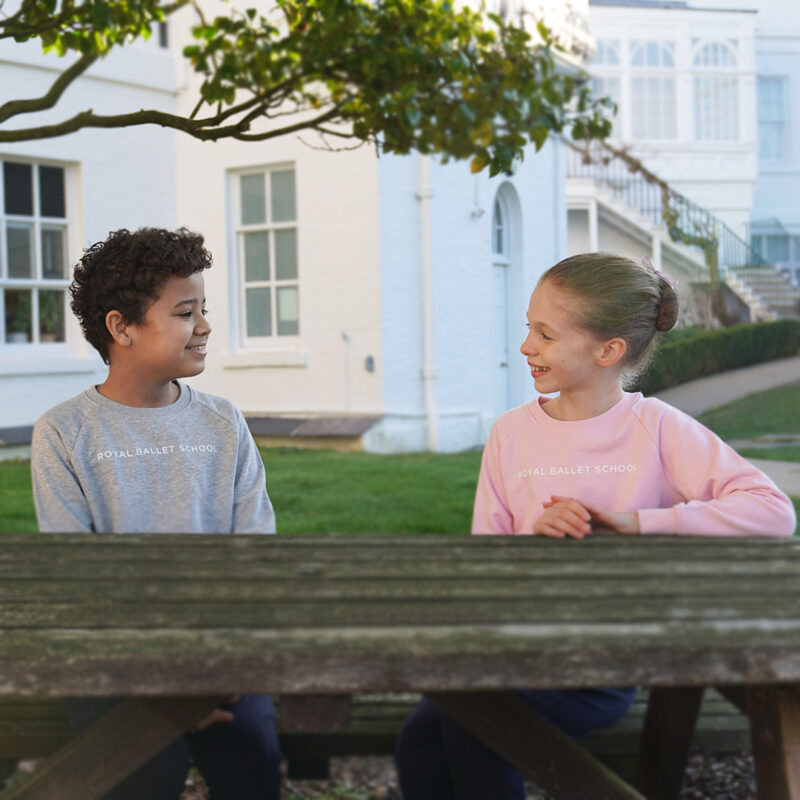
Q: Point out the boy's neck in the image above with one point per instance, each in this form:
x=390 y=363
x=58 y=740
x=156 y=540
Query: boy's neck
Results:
x=132 y=391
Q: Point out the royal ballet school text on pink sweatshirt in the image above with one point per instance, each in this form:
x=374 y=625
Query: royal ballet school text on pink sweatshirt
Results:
x=642 y=455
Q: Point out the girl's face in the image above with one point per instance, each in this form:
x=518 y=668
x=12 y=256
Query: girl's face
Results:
x=563 y=357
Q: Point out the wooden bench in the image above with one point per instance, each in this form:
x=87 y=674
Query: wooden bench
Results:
x=176 y=623
x=33 y=728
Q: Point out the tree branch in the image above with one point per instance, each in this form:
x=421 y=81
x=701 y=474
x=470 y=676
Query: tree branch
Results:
x=199 y=129
x=14 y=107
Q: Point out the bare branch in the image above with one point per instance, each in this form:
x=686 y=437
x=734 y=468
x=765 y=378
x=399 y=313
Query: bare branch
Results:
x=298 y=126
x=200 y=129
x=14 y=107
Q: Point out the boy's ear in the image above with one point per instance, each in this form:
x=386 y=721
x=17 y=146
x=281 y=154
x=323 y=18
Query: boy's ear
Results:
x=118 y=328
x=612 y=352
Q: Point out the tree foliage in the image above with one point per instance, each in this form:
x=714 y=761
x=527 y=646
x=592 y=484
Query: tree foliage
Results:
x=403 y=74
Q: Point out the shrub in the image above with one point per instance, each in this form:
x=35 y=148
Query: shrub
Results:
x=684 y=356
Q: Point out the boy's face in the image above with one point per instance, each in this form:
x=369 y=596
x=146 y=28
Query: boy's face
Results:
x=171 y=342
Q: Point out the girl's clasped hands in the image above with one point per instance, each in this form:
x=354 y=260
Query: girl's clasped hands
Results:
x=566 y=516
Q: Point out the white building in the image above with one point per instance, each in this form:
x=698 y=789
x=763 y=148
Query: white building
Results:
x=687 y=78
x=350 y=294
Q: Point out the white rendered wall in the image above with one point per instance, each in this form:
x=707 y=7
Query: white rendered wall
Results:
x=778 y=54
x=319 y=371
x=115 y=178
x=462 y=293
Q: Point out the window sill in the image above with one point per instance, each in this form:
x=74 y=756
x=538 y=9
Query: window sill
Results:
x=265 y=358
x=38 y=364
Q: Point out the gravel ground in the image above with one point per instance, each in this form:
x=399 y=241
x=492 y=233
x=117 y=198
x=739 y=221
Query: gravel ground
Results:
x=708 y=777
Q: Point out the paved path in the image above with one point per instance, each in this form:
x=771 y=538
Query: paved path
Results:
x=697 y=396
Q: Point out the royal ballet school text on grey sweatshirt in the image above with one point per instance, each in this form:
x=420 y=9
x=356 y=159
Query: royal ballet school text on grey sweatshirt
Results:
x=190 y=467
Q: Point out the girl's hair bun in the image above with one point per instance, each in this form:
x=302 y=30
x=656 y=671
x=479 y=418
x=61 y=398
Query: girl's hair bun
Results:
x=667 y=308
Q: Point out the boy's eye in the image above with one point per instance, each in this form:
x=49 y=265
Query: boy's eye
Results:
x=548 y=338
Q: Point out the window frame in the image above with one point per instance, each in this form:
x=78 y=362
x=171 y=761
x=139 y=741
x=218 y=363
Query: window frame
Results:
x=37 y=282
x=239 y=323
x=714 y=76
x=781 y=123
x=667 y=76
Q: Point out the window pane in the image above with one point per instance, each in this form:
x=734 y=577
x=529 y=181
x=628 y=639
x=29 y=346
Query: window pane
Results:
x=19 y=239
x=282 y=196
x=51 y=192
x=253 y=199
x=256 y=256
x=259 y=318
x=51 y=316
x=286 y=254
x=18 y=316
x=54 y=263
x=777 y=248
x=288 y=311
x=18 y=188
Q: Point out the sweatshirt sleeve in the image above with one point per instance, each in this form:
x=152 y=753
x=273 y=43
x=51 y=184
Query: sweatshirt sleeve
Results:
x=61 y=504
x=722 y=494
x=252 y=509
x=491 y=513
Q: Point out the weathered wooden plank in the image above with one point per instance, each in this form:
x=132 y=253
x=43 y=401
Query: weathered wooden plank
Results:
x=149 y=613
x=313 y=660
x=118 y=743
x=544 y=754
x=666 y=741
x=390 y=568
x=222 y=589
x=141 y=548
x=775 y=724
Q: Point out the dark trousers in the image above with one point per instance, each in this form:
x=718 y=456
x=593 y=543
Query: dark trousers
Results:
x=239 y=760
x=437 y=759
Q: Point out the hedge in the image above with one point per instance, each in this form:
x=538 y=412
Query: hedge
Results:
x=685 y=355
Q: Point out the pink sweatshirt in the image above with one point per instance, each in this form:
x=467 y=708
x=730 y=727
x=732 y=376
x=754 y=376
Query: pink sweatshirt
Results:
x=641 y=455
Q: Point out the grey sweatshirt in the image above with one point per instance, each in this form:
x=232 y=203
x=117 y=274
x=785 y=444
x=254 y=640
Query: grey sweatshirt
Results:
x=190 y=467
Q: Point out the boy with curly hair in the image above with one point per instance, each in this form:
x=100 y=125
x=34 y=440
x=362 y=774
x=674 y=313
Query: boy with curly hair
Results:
x=143 y=452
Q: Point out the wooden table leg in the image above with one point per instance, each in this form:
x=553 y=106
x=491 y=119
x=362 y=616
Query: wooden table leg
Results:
x=111 y=748
x=665 y=742
x=534 y=746
x=775 y=730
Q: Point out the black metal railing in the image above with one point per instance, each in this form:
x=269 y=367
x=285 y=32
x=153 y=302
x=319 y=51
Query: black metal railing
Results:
x=686 y=222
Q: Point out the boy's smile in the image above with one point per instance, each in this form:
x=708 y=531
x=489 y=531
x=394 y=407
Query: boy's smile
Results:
x=171 y=342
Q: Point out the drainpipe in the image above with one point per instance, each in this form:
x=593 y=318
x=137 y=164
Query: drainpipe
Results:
x=426 y=267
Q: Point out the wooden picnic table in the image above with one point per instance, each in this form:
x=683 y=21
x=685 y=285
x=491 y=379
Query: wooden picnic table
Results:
x=176 y=622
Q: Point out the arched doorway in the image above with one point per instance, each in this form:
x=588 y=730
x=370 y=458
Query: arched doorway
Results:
x=505 y=276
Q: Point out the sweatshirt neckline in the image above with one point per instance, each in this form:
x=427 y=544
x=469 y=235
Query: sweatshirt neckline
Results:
x=622 y=406
x=184 y=398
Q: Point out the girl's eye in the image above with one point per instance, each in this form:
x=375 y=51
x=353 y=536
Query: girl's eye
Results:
x=546 y=337
x=204 y=312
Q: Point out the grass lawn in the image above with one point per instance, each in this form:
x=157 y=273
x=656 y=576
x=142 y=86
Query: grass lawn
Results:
x=772 y=411
x=323 y=491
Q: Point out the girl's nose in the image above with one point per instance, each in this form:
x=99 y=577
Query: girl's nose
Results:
x=203 y=326
x=526 y=348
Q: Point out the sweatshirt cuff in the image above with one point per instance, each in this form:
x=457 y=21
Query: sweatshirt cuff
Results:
x=658 y=520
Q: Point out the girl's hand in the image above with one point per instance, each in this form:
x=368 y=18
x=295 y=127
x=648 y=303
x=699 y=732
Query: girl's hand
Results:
x=563 y=516
x=616 y=521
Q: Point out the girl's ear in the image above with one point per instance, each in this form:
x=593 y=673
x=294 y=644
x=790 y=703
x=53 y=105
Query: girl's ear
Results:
x=118 y=328
x=612 y=352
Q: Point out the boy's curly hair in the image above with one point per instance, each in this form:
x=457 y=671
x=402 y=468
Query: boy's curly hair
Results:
x=127 y=272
